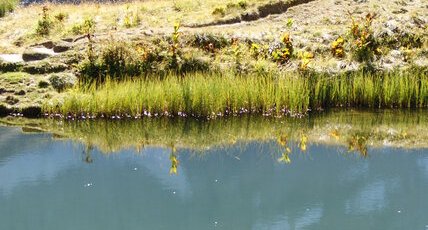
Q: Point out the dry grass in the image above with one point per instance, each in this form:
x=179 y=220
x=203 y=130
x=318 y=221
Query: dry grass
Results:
x=160 y=15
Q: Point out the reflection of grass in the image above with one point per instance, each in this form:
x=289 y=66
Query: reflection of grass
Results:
x=212 y=94
x=357 y=130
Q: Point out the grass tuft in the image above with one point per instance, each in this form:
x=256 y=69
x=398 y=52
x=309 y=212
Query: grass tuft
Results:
x=7 y=6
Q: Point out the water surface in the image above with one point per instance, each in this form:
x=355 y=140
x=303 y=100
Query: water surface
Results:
x=50 y=183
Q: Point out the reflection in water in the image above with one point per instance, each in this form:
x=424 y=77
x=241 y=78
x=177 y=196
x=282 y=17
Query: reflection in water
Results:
x=239 y=186
x=358 y=131
x=187 y=174
x=87 y=153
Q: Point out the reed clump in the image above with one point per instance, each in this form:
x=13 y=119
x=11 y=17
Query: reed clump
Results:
x=220 y=94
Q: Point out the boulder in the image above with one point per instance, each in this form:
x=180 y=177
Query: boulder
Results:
x=62 y=47
x=36 y=54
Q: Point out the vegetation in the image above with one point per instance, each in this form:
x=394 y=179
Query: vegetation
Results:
x=7 y=6
x=364 y=45
x=211 y=95
x=45 y=24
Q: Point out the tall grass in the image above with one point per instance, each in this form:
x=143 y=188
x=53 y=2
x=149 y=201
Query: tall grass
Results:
x=194 y=94
x=224 y=94
x=7 y=6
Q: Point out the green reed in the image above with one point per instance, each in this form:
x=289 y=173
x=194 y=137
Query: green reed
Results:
x=210 y=95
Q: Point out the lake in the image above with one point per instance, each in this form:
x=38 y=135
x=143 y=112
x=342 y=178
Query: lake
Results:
x=339 y=171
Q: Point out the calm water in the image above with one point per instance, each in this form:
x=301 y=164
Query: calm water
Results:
x=49 y=184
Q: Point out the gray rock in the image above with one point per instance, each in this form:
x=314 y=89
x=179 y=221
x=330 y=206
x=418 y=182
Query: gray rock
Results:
x=67 y=39
x=46 y=44
x=11 y=58
x=61 y=47
x=20 y=92
x=395 y=54
x=392 y=25
x=36 y=54
x=148 y=33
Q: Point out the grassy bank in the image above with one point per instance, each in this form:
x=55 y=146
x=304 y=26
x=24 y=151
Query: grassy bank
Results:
x=210 y=95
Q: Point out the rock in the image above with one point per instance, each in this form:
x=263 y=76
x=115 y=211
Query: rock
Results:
x=327 y=38
x=46 y=44
x=67 y=39
x=392 y=25
x=395 y=54
x=11 y=58
x=62 y=47
x=11 y=100
x=20 y=92
x=36 y=54
x=42 y=67
x=148 y=33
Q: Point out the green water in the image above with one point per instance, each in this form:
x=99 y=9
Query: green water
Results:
x=50 y=183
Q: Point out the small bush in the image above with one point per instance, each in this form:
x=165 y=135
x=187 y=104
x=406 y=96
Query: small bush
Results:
x=193 y=64
x=45 y=24
x=60 y=17
x=305 y=58
x=210 y=42
x=283 y=51
x=131 y=19
x=86 y=27
x=364 y=45
x=243 y=4
x=62 y=81
x=219 y=11
x=337 y=47
x=43 y=84
x=7 y=6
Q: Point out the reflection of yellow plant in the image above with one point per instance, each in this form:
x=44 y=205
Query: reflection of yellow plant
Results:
x=358 y=143
x=303 y=141
x=174 y=162
x=335 y=134
x=285 y=157
x=282 y=140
